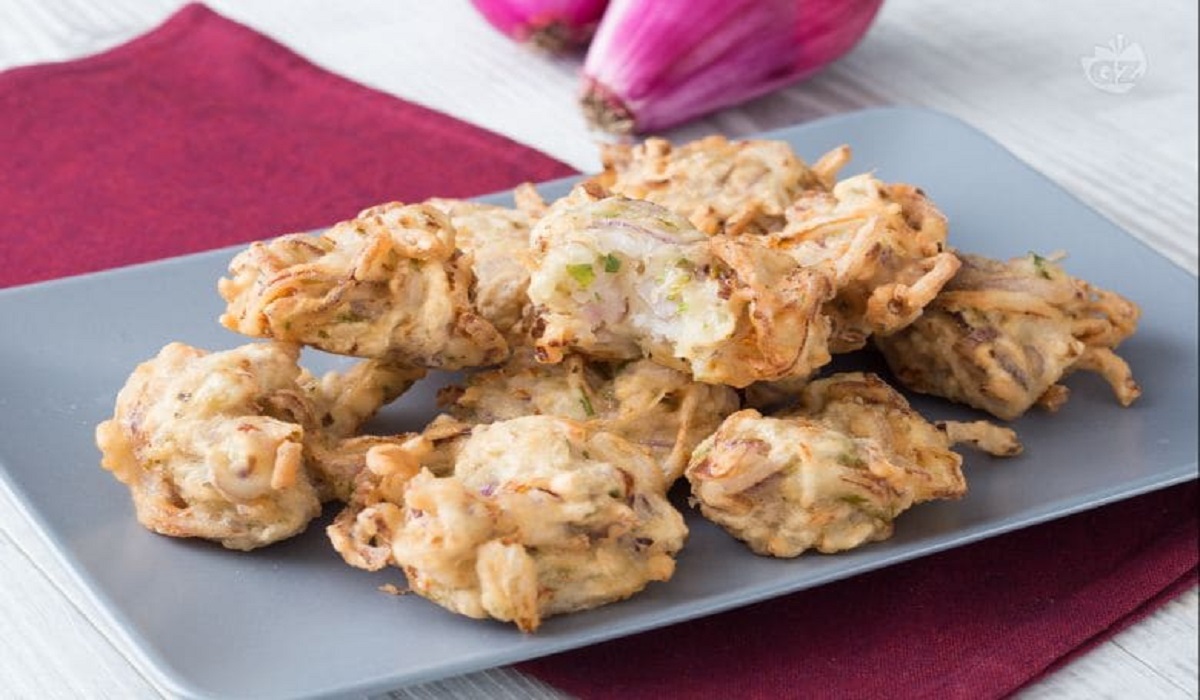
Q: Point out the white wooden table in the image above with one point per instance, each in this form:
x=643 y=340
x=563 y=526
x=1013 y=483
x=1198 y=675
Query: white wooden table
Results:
x=1012 y=69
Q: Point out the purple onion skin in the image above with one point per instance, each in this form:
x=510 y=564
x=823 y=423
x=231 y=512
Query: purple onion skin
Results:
x=658 y=63
x=553 y=25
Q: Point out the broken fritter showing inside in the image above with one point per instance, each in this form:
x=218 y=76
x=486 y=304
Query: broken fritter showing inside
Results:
x=883 y=244
x=531 y=517
x=239 y=446
x=834 y=472
x=623 y=279
x=1002 y=335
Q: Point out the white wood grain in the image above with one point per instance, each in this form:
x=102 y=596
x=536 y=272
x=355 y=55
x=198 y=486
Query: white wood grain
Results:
x=1153 y=659
x=51 y=646
x=1172 y=639
x=1012 y=69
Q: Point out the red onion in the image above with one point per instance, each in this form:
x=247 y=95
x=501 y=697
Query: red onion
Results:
x=656 y=63
x=553 y=25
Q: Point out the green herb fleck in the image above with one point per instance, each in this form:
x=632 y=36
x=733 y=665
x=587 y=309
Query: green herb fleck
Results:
x=582 y=274
x=676 y=297
x=349 y=317
x=1039 y=264
x=849 y=459
x=611 y=263
x=587 y=405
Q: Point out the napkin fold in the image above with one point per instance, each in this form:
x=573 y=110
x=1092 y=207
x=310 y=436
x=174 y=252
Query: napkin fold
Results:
x=204 y=133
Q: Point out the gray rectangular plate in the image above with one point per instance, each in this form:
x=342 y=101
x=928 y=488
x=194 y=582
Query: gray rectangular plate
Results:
x=293 y=621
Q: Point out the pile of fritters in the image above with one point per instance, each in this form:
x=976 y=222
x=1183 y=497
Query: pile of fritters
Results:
x=666 y=322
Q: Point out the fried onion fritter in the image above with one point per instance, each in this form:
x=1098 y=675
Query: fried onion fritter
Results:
x=239 y=446
x=191 y=439
x=721 y=186
x=539 y=516
x=786 y=485
x=389 y=284
x=885 y=247
x=658 y=408
x=1002 y=335
x=835 y=472
x=620 y=279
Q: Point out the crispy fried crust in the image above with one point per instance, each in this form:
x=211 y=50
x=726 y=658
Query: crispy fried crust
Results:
x=721 y=186
x=782 y=331
x=1002 y=335
x=342 y=402
x=539 y=516
x=863 y=405
x=388 y=284
x=655 y=407
x=496 y=240
x=885 y=247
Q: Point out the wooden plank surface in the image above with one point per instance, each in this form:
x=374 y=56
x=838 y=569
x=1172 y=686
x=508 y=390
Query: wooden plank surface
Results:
x=1012 y=69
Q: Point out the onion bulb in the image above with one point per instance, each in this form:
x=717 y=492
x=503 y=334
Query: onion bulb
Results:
x=552 y=25
x=656 y=63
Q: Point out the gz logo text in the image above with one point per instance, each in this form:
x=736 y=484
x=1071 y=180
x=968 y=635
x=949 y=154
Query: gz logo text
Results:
x=1115 y=67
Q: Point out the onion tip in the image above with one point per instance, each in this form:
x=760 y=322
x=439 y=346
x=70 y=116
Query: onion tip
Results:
x=605 y=110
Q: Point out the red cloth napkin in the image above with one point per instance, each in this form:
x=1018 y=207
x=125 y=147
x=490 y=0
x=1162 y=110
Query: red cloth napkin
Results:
x=204 y=133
